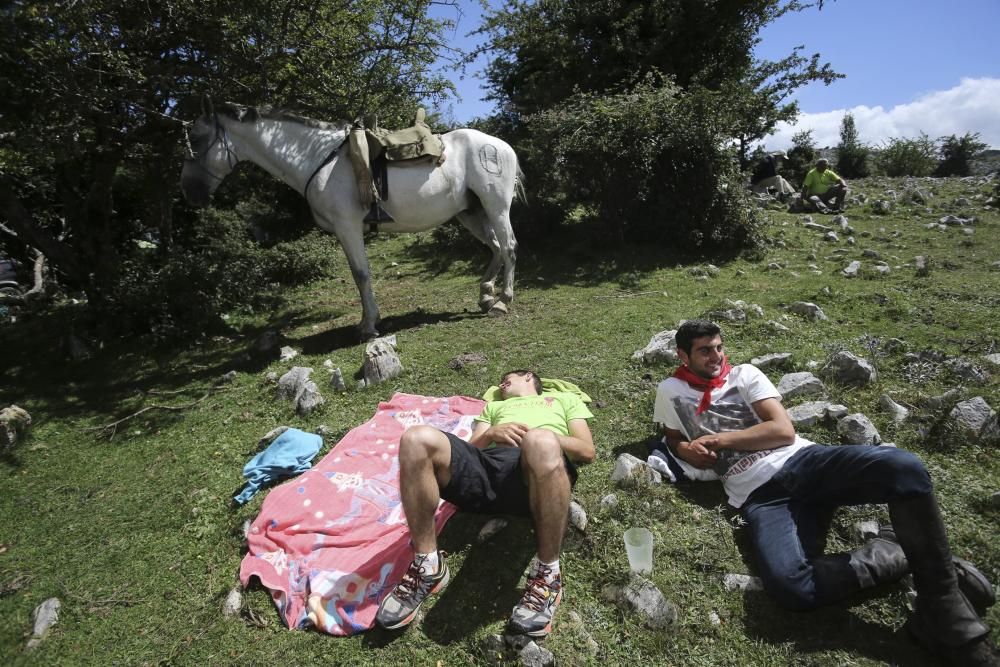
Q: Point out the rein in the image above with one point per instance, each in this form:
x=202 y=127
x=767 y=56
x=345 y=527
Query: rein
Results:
x=221 y=135
x=328 y=160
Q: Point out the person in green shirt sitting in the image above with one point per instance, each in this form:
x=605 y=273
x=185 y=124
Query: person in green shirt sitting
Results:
x=520 y=459
x=821 y=187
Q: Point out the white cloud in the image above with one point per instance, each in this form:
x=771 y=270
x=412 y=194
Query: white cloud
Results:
x=971 y=106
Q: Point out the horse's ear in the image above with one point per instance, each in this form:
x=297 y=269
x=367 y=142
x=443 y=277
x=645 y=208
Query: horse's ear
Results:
x=206 y=106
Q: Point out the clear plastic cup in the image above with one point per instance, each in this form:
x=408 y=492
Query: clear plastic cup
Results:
x=639 y=547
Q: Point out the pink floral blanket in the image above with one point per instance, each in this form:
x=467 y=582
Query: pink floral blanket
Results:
x=331 y=542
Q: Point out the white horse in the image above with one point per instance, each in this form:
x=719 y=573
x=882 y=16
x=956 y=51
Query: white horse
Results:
x=476 y=184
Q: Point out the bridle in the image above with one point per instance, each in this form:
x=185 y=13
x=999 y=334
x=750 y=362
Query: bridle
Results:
x=221 y=135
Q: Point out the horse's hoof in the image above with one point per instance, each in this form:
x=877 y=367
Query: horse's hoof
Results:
x=499 y=309
x=486 y=303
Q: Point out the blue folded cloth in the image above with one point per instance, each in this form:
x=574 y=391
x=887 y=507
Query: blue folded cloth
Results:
x=289 y=454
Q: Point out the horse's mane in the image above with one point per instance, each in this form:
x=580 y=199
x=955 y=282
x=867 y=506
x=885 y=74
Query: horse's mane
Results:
x=249 y=114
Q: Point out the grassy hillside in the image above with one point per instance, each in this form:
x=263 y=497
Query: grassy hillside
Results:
x=135 y=534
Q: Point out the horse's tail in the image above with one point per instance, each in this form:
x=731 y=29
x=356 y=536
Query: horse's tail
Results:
x=519 y=193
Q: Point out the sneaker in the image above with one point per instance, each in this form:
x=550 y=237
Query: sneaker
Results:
x=400 y=607
x=533 y=614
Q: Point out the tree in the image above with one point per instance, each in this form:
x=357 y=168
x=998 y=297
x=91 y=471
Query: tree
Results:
x=907 y=157
x=94 y=92
x=852 y=155
x=957 y=154
x=552 y=59
x=801 y=157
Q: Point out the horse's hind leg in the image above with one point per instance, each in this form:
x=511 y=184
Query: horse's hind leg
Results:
x=498 y=227
x=476 y=222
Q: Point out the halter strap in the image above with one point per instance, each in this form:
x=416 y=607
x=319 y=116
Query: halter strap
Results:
x=328 y=160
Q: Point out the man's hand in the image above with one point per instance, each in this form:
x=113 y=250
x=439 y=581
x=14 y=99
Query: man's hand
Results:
x=509 y=434
x=696 y=453
x=709 y=442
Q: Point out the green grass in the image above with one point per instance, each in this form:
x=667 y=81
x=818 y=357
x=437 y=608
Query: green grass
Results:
x=136 y=536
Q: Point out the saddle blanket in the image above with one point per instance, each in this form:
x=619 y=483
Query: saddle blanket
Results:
x=332 y=542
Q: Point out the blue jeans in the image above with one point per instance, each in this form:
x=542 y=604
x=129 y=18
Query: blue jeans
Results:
x=789 y=516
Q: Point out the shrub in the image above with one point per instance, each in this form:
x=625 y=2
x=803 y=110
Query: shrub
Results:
x=801 y=157
x=957 y=154
x=907 y=157
x=852 y=155
x=653 y=163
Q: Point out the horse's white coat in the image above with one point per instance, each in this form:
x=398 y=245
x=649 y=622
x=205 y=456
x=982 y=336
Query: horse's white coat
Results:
x=476 y=183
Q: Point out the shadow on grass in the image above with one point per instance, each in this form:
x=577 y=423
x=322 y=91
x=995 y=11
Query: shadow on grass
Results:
x=348 y=336
x=485 y=589
x=809 y=632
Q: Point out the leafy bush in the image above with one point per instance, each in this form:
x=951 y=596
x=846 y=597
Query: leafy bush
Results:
x=801 y=157
x=957 y=154
x=215 y=267
x=852 y=155
x=652 y=163
x=907 y=157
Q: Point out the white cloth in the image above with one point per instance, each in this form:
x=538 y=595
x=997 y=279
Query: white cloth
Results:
x=731 y=410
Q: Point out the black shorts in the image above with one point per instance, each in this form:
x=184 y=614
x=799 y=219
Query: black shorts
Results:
x=490 y=481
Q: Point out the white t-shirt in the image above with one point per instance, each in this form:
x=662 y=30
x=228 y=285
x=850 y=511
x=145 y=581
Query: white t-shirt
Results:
x=731 y=410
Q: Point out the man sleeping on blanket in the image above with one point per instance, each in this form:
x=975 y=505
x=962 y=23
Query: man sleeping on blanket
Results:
x=520 y=459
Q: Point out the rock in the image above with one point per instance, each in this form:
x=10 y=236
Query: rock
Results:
x=491 y=528
x=893 y=409
x=922 y=265
x=534 y=655
x=727 y=315
x=774 y=266
x=816 y=226
x=775 y=360
x=808 y=310
x=381 y=361
x=266 y=344
x=577 y=516
x=849 y=369
x=995 y=500
x=661 y=347
x=993 y=359
x=882 y=269
x=44 y=617
x=871 y=254
x=852 y=269
x=228 y=377
x=742 y=582
x=750 y=310
x=857 y=429
x=866 y=530
x=291 y=383
x=841 y=221
x=894 y=346
x=966 y=370
x=467 y=359
x=800 y=384
x=287 y=353
x=271 y=376
x=776 y=327
x=975 y=420
x=713 y=619
x=811 y=412
x=609 y=503
x=642 y=597
x=308 y=399
x=14 y=423
x=942 y=402
x=831 y=237
x=337 y=381
x=630 y=471
x=233 y=603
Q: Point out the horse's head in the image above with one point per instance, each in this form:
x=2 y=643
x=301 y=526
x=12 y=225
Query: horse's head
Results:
x=211 y=158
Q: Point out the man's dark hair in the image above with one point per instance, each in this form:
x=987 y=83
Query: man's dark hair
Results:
x=534 y=376
x=687 y=332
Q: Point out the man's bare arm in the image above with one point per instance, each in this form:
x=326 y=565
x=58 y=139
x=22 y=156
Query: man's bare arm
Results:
x=696 y=454
x=579 y=444
x=508 y=434
x=775 y=430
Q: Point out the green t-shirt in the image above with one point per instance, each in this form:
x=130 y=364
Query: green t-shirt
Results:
x=551 y=411
x=817 y=183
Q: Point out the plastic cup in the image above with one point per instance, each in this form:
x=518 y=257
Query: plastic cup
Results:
x=639 y=547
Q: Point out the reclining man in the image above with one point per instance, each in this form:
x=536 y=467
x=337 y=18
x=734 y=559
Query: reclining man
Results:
x=520 y=460
x=730 y=420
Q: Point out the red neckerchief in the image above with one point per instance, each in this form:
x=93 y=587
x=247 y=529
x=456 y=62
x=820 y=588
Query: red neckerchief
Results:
x=703 y=384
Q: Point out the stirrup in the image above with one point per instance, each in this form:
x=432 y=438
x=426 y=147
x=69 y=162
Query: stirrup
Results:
x=377 y=214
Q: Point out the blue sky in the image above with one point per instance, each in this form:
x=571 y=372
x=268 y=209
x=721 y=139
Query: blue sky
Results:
x=911 y=66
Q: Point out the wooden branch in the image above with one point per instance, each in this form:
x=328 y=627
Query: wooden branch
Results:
x=112 y=428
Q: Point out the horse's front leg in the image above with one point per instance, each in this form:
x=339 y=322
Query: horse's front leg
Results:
x=354 y=247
